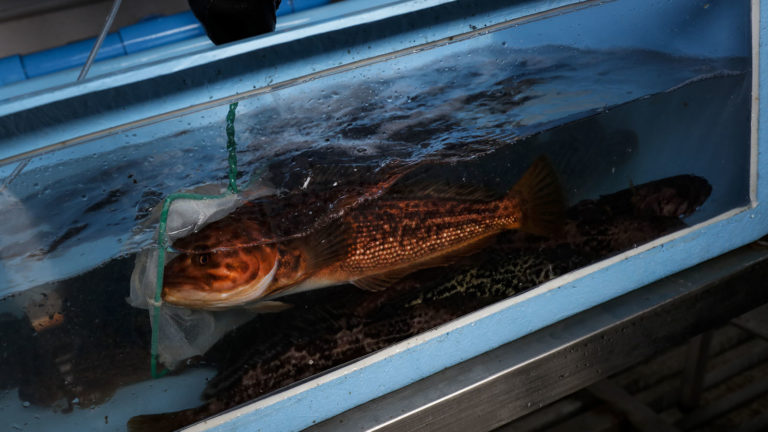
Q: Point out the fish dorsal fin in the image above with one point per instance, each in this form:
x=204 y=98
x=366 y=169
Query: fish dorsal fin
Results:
x=364 y=193
x=381 y=281
x=542 y=199
x=425 y=188
x=326 y=245
x=346 y=176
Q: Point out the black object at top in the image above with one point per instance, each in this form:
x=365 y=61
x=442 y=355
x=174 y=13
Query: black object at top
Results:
x=231 y=20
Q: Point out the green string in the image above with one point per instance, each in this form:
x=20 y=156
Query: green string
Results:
x=232 y=147
x=162 y=238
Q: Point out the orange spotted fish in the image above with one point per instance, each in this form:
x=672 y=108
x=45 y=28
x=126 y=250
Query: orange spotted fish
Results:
x=371 y=245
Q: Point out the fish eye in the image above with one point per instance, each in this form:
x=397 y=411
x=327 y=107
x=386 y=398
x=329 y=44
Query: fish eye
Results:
x=204 y=259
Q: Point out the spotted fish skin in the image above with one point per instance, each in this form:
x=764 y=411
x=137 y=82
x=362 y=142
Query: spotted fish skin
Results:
x=393 y=232
x=394 y=236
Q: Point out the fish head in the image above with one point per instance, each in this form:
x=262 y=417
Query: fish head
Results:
x=220 y=278
x=677 y=196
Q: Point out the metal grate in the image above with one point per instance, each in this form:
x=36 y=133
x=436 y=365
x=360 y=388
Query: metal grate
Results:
x=718 y=381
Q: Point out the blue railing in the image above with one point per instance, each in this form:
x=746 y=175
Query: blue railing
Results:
x=149 y=33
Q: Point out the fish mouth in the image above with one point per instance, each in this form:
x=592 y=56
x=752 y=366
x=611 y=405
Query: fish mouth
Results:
x=176 y=289
x=187 y=292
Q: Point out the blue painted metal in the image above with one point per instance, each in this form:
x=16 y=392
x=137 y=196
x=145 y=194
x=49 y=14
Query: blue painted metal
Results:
x=291 y=6
x=158 y=31
x=40 y=86
x=71 y=55
x=283 y=9
x=203 y=83
x=44 y=83
x=149 y=33
x=11 y=70
x=300 y=5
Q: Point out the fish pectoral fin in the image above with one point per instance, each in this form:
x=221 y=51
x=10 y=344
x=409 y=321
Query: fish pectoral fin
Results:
x=464 y=251
x=268 y=306
x=379 y=282
x=326 y=246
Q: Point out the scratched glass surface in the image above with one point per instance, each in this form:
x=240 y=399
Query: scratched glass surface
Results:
x=74 y=219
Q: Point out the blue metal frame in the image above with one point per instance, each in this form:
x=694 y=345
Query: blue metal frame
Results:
x=122 y=100
x=146 y=34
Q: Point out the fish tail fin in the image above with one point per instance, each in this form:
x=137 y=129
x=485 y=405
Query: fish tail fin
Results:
x=542 y=199
x=165 y=422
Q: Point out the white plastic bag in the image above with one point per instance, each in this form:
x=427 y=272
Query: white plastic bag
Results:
x=182 y=333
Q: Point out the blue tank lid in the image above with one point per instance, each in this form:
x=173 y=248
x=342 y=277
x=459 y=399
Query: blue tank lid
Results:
x=146 y=34
x=11 y=70
x=157 y=31
x=71 y=55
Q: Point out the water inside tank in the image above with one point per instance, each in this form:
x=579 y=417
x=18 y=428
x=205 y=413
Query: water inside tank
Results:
x=663 y=139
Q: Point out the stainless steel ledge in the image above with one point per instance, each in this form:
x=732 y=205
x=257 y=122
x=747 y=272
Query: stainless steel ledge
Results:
x=501 y=385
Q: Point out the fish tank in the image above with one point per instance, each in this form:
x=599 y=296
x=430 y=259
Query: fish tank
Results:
x=274 y=231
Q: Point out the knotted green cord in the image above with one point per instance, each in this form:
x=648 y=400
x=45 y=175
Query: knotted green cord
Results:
x=162 y=240
x=231 y=148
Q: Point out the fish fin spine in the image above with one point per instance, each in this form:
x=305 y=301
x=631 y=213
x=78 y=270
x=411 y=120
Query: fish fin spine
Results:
x=326 y=246
x=378 y=282
x=541 y=197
